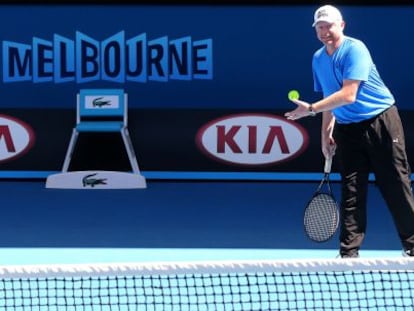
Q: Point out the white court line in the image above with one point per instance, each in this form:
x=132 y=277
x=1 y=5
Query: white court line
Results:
x=23 y=256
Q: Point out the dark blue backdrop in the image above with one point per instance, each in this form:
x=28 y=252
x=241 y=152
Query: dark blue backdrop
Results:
x=259 y=52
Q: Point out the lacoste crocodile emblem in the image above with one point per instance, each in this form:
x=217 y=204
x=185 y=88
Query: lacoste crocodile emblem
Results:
x=98 y=102
x=92 y=182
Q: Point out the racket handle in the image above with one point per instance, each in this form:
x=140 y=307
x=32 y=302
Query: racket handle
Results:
x=328 y=165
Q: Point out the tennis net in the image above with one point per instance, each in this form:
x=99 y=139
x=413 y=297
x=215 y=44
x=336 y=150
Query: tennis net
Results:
x=317 y=284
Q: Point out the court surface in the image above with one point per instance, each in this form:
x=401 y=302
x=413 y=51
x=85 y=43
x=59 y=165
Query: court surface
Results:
x=170 y=221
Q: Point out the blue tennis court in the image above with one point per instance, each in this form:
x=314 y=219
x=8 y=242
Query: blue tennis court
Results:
x=185 y=246
x=171 y=220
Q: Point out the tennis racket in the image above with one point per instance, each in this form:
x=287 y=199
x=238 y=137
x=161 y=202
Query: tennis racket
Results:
x=321 y=216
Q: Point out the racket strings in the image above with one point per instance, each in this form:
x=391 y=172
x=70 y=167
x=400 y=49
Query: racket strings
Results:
x=321 y=217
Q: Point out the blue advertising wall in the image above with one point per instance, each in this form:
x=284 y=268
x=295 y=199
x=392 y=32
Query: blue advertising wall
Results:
x=184 y=68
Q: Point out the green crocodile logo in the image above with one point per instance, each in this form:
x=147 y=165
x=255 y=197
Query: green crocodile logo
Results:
x=98 y=102
x=92 y=182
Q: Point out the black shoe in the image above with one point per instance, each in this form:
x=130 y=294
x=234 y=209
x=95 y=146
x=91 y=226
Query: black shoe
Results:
x=408 y=253
x=352 y=255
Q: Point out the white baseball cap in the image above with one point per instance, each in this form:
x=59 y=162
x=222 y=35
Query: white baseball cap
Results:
x=326 y=13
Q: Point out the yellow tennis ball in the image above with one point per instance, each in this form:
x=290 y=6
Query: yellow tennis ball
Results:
x=293 y=94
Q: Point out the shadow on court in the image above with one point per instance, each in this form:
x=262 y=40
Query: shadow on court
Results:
x=184 y=214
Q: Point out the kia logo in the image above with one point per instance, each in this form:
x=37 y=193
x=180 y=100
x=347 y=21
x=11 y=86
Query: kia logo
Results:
x=16 y=138
x=252 y=139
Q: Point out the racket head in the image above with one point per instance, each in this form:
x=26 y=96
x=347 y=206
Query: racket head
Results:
x=321 y=217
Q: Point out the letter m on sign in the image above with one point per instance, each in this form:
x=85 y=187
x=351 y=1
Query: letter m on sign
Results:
x=17 y=62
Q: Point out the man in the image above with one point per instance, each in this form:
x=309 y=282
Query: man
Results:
x=361 y=125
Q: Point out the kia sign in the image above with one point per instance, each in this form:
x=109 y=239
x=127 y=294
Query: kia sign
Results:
x=252 y=139
x=16 y=138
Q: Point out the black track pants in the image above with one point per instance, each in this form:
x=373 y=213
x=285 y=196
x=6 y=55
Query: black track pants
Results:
x=376 y=145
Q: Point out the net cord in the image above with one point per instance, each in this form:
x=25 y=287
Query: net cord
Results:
x=206 y=267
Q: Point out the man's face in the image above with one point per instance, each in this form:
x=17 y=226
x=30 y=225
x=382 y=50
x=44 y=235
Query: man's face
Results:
x=329 y=33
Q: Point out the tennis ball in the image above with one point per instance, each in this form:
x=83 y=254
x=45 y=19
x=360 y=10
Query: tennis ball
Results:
x=293 y=94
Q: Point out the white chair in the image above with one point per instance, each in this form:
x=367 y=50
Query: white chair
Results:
x=100 y=110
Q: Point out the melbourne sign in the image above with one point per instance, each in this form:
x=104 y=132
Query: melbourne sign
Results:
x=117 y=59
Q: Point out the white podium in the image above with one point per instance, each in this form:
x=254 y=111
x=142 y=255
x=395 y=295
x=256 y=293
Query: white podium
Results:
x=96 y=180
x=100 y=110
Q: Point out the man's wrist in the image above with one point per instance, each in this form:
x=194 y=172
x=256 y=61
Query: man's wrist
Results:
x=312 y=111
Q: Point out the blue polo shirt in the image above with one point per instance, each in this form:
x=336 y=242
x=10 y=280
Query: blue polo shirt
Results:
x=351 y=61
